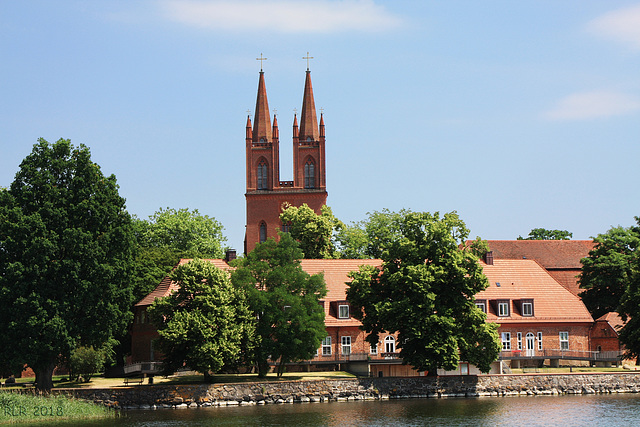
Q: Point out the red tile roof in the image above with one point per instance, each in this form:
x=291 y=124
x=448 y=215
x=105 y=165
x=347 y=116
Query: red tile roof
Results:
x=166 y=286
x=526 y=279
x=335 y=275
x=551 y=254
x=613 y=319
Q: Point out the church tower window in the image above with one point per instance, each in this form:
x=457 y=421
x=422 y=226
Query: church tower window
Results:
x=262 y=175
x=309 y=175
x=263 y=232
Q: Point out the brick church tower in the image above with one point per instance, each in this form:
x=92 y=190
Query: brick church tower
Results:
x=266 y=195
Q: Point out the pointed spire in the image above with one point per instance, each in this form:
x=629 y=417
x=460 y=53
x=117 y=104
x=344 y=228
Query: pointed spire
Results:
x=248 y=127
x=295 y=125
x=321 y=124
x=276 y=132
x=308 y=118
x=262 y=123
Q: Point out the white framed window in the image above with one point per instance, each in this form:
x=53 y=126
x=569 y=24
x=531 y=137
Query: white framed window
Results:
x=564 y=340
x=373 y=349
x=506 y=341
x=343 y=311
x=519 y=336
x=346 y=345
x=539 y=340
x=527 y=309
x=482 y=305
x=326 y=346
x=503 y=308
x=389 y=344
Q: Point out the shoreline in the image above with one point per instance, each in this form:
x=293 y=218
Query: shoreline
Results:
x=356 y=389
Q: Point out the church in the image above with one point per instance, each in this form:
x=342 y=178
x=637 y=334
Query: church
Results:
x=266 y=194
x=532 y=290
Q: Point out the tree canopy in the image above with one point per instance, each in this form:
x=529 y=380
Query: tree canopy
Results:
x=425 y=291
x=285 y=301
x=544 y=234
x=206 y=324
x=314 y=233
x=166 y=237
x=370 y=238
x=607 y=271
x=66 y=242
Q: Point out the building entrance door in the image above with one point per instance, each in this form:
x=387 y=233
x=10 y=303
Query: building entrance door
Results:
x=530 y=345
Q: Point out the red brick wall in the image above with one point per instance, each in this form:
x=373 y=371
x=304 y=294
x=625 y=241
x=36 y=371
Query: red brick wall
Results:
x=578 y=335
x=267 y=207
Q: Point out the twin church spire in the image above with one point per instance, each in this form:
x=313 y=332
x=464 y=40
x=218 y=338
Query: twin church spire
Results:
x=266 y=194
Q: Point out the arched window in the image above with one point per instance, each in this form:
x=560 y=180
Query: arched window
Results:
x=389 y=344
x=262 y=175
x=263 y=232
x=309 y=174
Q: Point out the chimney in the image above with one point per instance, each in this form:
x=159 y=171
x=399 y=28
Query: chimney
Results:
x=230 y=255
x=488 y=258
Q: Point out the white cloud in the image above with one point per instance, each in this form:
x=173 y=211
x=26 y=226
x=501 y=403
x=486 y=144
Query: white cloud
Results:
x=283 y=16
x=622 y=25
x=592 y=105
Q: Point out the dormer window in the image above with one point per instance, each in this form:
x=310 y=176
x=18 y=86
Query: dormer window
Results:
x=482 y=305
x=343 y=311
x=503 y=308
x=527 y=308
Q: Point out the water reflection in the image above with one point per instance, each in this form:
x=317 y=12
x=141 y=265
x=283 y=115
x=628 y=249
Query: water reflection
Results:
x=565 y=411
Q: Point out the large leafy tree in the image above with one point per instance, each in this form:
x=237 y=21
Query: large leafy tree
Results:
x=544 y=234
x=168 y=235
x=425 y=291
x=314 y=233
x=66 y=247
x=608 y=270
x=370 y=238
x=206 y=324
x=285 y=301
x=611 y=279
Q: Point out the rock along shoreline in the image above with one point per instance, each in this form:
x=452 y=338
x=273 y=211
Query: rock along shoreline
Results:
x=356 y=389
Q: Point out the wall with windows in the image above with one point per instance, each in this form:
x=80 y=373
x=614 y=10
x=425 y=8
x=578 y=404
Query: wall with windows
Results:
x=561 y=336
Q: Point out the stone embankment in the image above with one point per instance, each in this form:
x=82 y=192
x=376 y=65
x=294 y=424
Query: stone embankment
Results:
x=191 y=396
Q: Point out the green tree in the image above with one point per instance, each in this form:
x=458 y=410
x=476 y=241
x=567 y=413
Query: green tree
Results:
x=425 y=291
x=285 y=301
x=371 y=237
x=66 y=245
x=85 y=362
x=544 y=234
x=168 y=235
x=313 y=232
x=190 y=233
x=607 y=271
x=206 y=324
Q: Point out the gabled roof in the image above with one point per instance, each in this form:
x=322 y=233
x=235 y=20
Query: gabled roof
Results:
x=166 y=286
x=551 y=254
x=613 y=319
x=526 y=279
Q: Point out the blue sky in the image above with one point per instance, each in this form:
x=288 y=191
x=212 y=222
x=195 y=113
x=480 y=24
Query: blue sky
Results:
x=516 y=114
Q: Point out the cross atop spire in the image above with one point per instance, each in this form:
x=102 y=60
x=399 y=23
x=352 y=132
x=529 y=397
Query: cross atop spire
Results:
x=264 y=59
x=307 y=58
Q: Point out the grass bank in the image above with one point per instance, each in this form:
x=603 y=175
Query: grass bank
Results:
x=27 y=408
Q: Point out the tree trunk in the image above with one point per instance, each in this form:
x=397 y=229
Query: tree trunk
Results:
x=263 y=369
x=281 y=367
x=44 y=378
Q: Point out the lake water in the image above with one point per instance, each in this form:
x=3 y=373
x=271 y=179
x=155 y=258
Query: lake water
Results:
x=589 y=410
